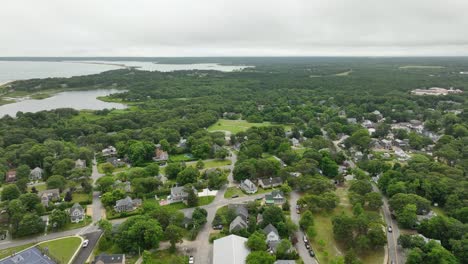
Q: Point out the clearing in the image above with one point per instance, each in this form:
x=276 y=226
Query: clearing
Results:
x=326 y=248
x=346 y=73
x=236 y=126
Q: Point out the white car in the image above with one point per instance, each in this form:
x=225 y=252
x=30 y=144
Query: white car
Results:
x=305 y=240
x=85 y=243
x=190 y=260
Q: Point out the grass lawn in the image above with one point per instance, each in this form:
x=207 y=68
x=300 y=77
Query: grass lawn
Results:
x=234 y=190
x=201 y=201
x=230 y=191
x=8 y=251
x=78 y=197
x=165 y=256
x=70 y=226
x=182 y=157
x=235 y=126
x=62 y=249
x=40 y=187
x=119 y=169
x=324 y=243
x=212 y=163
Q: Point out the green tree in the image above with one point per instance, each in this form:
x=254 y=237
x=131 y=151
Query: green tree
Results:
x=256 y=241
x=58 y=218
x=174 y=234
x=30 y=200
x=192 y=198
x=139 y=233
x=56 y=182
x=307 y=219
x=200 y=164
x=188 y=175
x=374 y=200
x=105 y=183
x=173 y=169
x=282 y=249
x=407 y=217
x=30 y=224
x=22 y=172
x=260 y=257
x=10 y=192
x=107 y=168
x=329 y=167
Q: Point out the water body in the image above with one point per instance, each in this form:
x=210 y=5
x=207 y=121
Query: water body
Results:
x=79 y=100
x=23 y=70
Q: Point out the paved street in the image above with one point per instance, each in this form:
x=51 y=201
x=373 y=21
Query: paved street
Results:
x=84 y=253
x=300 y=245
x=395 y=251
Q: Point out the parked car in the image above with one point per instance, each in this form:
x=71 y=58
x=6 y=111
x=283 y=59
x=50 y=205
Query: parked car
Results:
x=390 y=229
x=311 y=253
x=218 y=227
x=235 y=196
x=85 y=243
x=307 y=245
x=191 y=260
x=298 y=211
x=305 y=240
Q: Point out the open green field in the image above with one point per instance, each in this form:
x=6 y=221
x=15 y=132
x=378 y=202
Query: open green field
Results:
x=236 y=126
x=421 y=67
x=62 y=249
x=9 y=251
x=78 y=197
x=119 y=169
x=211 y=163
x=324 y=243
x=181 y=157
x=40 y=187
x=346 y=73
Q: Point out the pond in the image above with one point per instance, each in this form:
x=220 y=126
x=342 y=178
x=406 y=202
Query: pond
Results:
x=79 y=100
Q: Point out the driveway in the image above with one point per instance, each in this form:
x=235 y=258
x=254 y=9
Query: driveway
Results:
x=300 y=245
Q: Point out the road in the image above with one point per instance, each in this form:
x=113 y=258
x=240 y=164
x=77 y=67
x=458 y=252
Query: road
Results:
x=300 y=245
x=84 y=253
x=395 y=251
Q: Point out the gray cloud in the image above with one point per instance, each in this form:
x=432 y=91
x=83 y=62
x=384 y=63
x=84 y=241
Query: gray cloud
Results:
x=233 y=27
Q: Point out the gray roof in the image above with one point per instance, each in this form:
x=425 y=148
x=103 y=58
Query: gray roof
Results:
x=270 y=228
x=76 y=206
x=230 y=250
x=269 y=181
x=237 y=222
x=126 y=201
x=178 y=189
x=110 y=259
x=241 y=210
x=285 y=262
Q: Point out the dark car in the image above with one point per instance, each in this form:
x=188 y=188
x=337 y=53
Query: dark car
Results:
x=218 y=227
x=311 y=253
x=235 y=196
x=307 y=245
x=390 y=229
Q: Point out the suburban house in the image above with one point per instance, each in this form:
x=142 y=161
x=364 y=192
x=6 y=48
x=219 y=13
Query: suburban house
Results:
x=116 y=162
x=124 y=186
x=36 y=174
x=109 y=151
x=276 y=197
x=230 y=250
x=248 y=186
x=272 y=237
x=178 y=194
x=270 y=182
x=127 y=204
x=47 y=196
x=237 y=224
x=10 y=176
x=240 y=210
x=77 y=213
x=295 y=142
x=109 y=259
x=80 y=164
x=160 y=155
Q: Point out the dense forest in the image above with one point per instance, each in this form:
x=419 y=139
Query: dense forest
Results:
x=317 y=99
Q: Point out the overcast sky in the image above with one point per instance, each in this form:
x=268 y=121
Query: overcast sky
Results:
x=233 y=27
